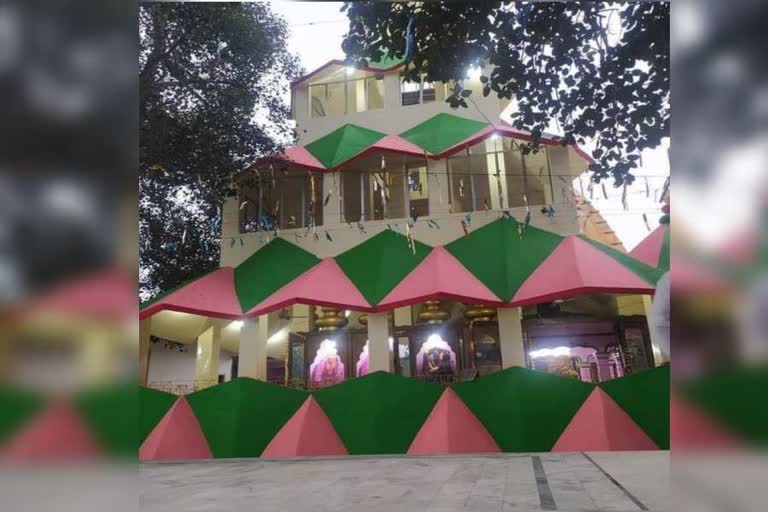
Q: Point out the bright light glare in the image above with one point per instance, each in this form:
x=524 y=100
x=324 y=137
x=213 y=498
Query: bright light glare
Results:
x=279 y=336
x=237 y=325
x=474 y=73
x=551 y=352
x=350 y=70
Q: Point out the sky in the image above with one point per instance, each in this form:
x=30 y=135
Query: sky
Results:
x=316 y=32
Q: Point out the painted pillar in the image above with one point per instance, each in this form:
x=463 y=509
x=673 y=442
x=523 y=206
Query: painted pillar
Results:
x=603 y=367
x=145 y=328
x=332 y=208
x=439 y=191
x=98 y=356
x=253 y=348
x=378 y=342
x=207 y=362
x=511 y=337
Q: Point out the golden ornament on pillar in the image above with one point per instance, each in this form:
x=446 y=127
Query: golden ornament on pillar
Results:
x=363 y=319
x=479 y=313
x=432 y=314
x=330 y=320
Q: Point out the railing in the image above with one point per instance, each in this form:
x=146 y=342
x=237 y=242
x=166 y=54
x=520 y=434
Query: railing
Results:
x=183 y=387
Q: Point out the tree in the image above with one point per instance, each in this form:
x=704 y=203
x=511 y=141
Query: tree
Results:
x=600 y=70
x=211 y=78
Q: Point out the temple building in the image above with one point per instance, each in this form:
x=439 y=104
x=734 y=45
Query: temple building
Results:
x=404 y=236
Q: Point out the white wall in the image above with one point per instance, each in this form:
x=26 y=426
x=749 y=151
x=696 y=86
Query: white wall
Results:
x=172 y=365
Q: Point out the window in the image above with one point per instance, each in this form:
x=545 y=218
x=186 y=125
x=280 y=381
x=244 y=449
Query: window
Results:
x=495 y=175
x=383 y=187
x=286 y=202
x=413 y=93
x=342 y=94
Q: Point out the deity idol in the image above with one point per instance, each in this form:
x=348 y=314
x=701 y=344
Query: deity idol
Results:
x=327 y=367
x=435 y=358
x=362 y=362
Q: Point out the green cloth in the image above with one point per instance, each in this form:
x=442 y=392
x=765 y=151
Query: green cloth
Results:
x=269 y=269
x=18 y=407
x=499 y=257
x=385 y=62
x=240 y=417
x=153 y=405
x=342 y=144
x=111 y=412
x=377 y=265
x=442 y=131
x=647 y=273
x=735 y=398
x=378 y=413
x=644 y=396
x=524 y=410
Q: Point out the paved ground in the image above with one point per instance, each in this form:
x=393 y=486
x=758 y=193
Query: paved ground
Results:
x=499 y=483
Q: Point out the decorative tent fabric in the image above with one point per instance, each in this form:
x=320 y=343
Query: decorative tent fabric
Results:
x=377 y=265
x=503 y=262
x=342 y=144
x=442 y=131
x=653 y=250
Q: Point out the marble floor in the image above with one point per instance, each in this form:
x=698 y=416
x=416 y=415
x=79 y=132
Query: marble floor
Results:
x=616 y=481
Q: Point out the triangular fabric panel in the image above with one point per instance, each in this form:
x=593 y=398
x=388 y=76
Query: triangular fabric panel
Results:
x=111 y=412
x=649 y=249
x=576 y=267
x=473 y=139
x=240 y=417
x=153 y=405
x=503 y=254
x=57 y=434
x=600 y=425
x=323 y=285
x=377 y=265
x=269 y=269
x=176 y=437
x=693 y=430
x=452 y=428
x=308 y=433
x=442 y=131
x=299 y=155
x=379 y=413
x=342 y=144
x=731 y=396
x=211 y=295
x=647 y=273
x=439 y=274
x=524 y=410
x=645 y=397
x=398 y=144
x=18 y=406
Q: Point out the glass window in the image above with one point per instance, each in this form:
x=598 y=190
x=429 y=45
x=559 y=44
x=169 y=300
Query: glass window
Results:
x=346 y=95
x=418 y=190
x=286 y=202
x=461 y=193
x=413 y=93
x=537 y=174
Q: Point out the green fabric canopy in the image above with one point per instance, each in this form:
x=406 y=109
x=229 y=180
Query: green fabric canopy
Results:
x=270 y=268
x=499 y=257
x=377 y=265
x=648 y=274
x=18 y=406
x=241 y=416
x=644 y=396
x=153 y=405
x=442 y=131
x=378 y=413
x=111 y=414
x=342 y=144
x=524 y=410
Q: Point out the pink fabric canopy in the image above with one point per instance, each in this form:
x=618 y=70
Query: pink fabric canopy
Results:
x=452 y=428
x=649 y=249
x=692 y=430
x=325 y=284
x=398 y=144
x=577 y=267
x=56 y=435
x=177 y=437
x=600 y=425
x=211 y=295
x=439 y=277
x=308 y=433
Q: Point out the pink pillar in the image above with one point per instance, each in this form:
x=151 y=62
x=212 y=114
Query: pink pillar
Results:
x=603 y=367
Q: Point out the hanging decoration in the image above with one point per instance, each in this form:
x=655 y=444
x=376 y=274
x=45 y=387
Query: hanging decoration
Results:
x=361 y=227
x=409 y=235
x=591 y=190
x=624 y=203
x=549 y=211
x=485 y=206
x=664 y=190
x=647 y=224
x=184 y=236
x=465 y=226
x=328 y=236
x=461 y=187
x=506 y=215
x=242 y=205
x=647 y=188
x=409 y=41
x=605 y=192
